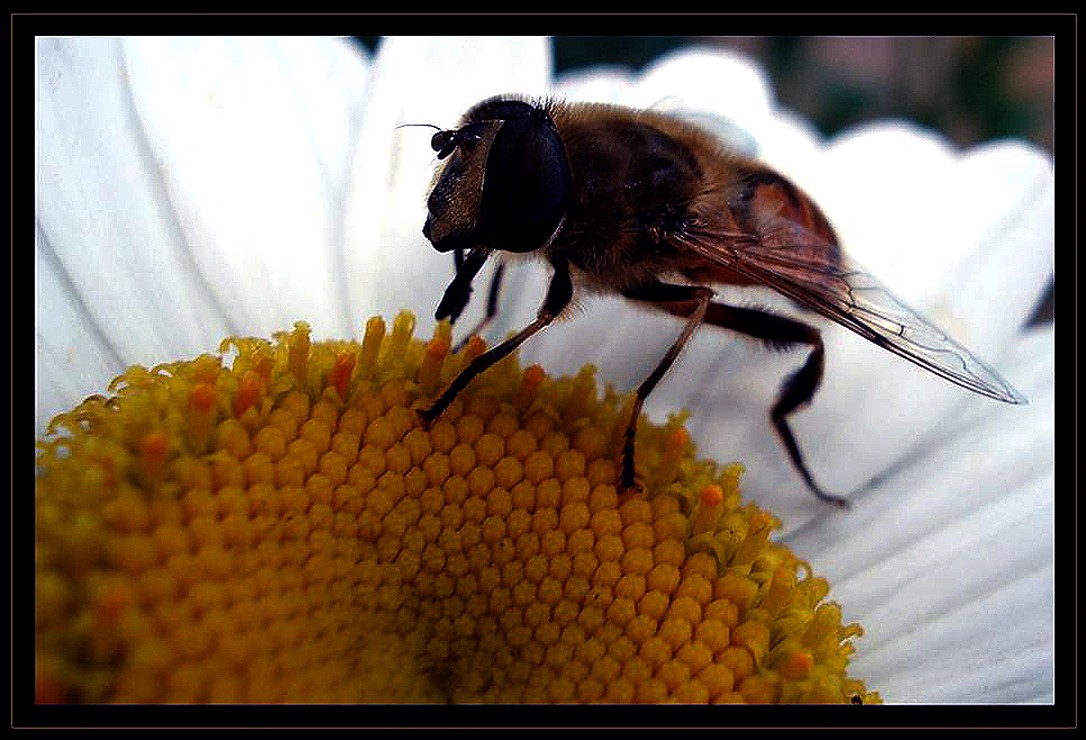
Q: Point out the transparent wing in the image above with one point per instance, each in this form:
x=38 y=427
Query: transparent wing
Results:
x=803 y=267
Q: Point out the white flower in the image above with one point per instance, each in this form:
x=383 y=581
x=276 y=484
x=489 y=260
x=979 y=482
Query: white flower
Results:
x=189 y=189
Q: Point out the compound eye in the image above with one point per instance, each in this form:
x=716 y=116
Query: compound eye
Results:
x=527 y=184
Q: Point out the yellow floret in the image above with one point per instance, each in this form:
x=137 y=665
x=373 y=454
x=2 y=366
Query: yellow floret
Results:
x=283 y=528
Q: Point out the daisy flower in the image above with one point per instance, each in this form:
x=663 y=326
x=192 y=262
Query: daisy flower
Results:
x=194 y=189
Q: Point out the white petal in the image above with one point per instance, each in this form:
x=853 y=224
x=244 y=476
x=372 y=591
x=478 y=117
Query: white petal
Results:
x=994 y=648
x=711 y=80
x=70 y=347
x=150 y=161
x=103 y=231
x=389 y=265
x=922 y=216
x=250 y=136
x=602 y=84
x=947 y=561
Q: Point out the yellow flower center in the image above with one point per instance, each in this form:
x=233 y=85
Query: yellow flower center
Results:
x=286 y=530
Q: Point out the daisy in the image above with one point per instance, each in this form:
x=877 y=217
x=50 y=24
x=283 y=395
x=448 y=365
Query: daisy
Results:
x=193 y=189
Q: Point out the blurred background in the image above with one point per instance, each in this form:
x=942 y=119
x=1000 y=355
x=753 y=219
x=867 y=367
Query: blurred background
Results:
x=972 y=89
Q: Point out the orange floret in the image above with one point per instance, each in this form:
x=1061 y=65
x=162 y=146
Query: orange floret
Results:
x=285 y=529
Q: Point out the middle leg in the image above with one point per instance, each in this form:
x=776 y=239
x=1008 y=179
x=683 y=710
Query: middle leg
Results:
x=696 y=300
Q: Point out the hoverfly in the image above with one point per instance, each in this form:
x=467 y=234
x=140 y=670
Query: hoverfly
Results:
x=655 y=209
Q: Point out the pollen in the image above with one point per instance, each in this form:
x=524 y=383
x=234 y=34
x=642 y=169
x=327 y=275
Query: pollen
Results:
x=275 y=523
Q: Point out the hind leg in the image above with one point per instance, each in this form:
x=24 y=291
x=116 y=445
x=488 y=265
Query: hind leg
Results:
x=796 y=390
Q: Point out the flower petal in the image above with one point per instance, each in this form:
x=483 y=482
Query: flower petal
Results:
x=948 y=558
x=102 y=230
x=159 y=164
x=600 y=84
x=70 y=347
x=737 y=87
x=252 y=162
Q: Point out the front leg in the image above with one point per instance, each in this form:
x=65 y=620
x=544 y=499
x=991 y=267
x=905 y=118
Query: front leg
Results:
x=559 y=294
x=459 y=291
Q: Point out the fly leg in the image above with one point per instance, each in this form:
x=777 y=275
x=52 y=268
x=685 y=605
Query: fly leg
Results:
x=459 y=291
x=492 y=299
x=695 y=300
x=796 y=390
x=559 y=294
